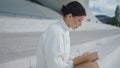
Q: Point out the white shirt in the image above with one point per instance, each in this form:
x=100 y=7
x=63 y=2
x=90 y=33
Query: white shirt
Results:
x=54 y=48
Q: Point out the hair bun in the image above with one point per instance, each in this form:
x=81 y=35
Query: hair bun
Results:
x=63 y=8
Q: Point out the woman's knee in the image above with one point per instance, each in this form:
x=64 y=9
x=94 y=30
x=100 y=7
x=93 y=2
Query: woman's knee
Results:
x=93 y=64
x=88 y=65
x=96 y=64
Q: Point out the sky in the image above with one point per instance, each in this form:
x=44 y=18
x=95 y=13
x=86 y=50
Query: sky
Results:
x=104 y=7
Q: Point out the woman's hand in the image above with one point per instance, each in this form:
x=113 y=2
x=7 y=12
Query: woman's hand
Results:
x=86 y=57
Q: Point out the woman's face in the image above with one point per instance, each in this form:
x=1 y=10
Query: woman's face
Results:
x=75 y=22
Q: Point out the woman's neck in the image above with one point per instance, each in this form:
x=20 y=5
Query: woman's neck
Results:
x=66 y=22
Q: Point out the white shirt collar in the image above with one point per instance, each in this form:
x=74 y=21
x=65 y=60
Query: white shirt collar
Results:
x=63 y=24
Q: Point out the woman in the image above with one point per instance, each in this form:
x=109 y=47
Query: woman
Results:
x=55 y=42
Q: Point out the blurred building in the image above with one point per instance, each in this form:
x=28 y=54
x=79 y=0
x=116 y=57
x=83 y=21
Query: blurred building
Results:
x=117 y=13
x=103 y=18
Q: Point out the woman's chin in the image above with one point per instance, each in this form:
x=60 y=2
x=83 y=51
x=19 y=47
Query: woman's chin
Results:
x=74 y=28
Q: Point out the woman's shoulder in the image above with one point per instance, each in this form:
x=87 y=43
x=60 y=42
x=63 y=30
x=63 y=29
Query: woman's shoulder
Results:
x=55 y=28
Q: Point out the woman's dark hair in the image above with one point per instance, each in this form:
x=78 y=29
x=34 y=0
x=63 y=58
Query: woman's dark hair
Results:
x=75 y=8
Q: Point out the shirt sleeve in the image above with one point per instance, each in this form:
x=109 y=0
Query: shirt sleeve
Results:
x=54 y=57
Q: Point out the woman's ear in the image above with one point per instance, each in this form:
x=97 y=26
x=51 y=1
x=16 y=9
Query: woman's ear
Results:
x=70 y=15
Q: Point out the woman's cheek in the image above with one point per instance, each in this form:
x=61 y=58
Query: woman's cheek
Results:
x=76 y=24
